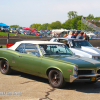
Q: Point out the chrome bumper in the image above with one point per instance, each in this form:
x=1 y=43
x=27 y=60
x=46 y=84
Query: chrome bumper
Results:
x=84 y=78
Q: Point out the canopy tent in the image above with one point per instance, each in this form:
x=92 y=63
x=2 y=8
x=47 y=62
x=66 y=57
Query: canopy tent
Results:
x=3 y=25
x=27 y=28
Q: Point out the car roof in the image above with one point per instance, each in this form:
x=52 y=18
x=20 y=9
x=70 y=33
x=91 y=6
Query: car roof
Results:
x=38 y=42
x=69 y=39
x=32 y=42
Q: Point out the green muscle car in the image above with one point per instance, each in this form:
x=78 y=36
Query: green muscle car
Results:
x=51 y=60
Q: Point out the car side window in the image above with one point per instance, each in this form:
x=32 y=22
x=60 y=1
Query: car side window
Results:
x=28 y=49
x=55 y=40
x=31 y=49
x=20 y=48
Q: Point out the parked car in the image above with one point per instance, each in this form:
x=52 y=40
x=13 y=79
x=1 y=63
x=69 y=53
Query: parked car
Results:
x=51 y=60
x=80 y=47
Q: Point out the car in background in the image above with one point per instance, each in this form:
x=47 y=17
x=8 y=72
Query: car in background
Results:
x=80 y=47
x=51 y=60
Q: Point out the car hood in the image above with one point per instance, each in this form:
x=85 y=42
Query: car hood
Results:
x=80 y=61
x=86 y=51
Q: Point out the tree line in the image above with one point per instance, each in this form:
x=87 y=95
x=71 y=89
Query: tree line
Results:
x=73 y=22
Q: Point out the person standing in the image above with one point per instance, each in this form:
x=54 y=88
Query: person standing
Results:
x=70 y=34
x=65 y=35
x=74 y=35
x=80 y=36
x=86 y=37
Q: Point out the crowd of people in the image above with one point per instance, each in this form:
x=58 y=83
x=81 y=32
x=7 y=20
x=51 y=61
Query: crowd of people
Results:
x=81 y=35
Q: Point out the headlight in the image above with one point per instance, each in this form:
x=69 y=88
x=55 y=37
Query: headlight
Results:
x=96 y=57
x=75 y=70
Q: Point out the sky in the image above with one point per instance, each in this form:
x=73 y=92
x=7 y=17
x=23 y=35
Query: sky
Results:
x=27 y=12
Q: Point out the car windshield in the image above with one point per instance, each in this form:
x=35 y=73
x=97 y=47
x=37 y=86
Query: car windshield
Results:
x=55 y=49
x=78 y=44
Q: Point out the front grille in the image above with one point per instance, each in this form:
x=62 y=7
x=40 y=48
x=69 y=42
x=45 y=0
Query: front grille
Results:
x=98 y=71
x=84 y=72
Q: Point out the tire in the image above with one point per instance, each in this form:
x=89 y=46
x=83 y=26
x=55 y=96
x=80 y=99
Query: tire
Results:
x=56 y=79
x=4 y=67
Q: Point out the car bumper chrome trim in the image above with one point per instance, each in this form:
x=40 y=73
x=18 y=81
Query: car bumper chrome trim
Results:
x=77 y=77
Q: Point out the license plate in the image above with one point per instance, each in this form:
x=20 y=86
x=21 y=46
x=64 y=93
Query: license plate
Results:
x=93 y=78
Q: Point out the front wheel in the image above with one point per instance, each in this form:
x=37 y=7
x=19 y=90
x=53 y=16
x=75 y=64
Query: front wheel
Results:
x=56 y=79
x=4 y=67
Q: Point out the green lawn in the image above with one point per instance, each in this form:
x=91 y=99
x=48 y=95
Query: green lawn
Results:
x=4 y=47
x=12 y=34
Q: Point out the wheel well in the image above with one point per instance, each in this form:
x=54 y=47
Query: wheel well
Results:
x=50 y=70
x=2 y=59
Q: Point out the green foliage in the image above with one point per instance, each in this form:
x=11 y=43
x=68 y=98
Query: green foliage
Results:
x=97 y=18
x=90 y=16
x=44 y=26
x=72 y=14
x=67 y=24
x=74 y=23
x=16 y=26
x=35 y=26
x=56 y=25
x=41 y=27
x=79 y=25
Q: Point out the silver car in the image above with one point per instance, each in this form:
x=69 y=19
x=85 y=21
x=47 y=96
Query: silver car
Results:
x=80 y=47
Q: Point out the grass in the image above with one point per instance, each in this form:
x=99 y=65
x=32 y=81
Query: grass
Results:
x=13 y=34
x=4 y=47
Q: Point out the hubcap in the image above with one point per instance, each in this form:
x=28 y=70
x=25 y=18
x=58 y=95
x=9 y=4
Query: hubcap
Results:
x=4 y=66
x=55 y=78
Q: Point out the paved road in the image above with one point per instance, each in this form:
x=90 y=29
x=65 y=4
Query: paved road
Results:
x=20 y=86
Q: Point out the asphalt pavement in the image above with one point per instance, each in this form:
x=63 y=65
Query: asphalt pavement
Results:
x=21 y=86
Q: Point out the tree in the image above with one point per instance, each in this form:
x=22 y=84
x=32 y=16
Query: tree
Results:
x=90 y=16
x=73 y=23
x=72 y=14
x=15 y=26
x=56 y=25
x=79 y=25
x=97 y=18
x=35 y=26
x=66 y=25
x=44 y=26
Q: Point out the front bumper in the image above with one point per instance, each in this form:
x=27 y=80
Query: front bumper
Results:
x=85 y=78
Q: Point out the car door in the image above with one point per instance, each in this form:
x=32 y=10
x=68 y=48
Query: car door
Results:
x=29 y=59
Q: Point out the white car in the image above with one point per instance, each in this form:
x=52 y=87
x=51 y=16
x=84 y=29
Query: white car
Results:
x=80 y=47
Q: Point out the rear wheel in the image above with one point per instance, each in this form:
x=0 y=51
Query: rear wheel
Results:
x=56 y=79
x=4 y=67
